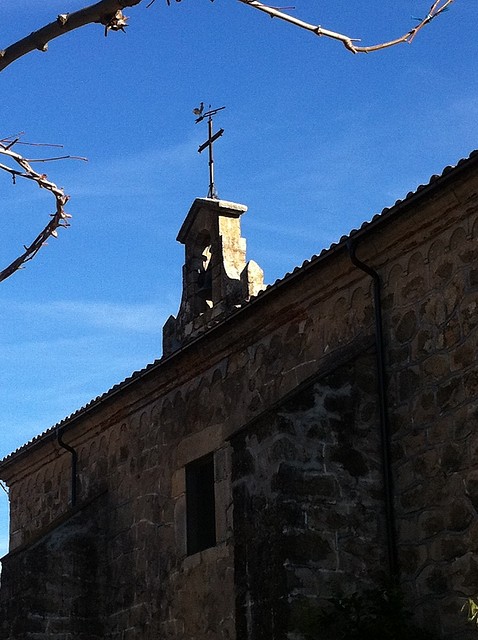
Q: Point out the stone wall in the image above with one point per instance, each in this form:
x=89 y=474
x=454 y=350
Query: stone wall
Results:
x=54 y=587
x=431 y=321
x=308 y=502
x=135 y=444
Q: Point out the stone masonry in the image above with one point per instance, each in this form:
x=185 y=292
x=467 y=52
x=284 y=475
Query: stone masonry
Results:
x=279 y=394
x=307 y=499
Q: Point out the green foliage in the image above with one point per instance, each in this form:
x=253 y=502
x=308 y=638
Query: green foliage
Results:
x=470 y=608
x=375 y=614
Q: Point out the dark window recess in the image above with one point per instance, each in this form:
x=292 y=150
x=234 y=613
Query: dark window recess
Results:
x=200 y=505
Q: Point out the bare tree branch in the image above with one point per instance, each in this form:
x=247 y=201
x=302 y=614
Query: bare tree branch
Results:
x=106 y=12
x=437 y=7
x=58 y=219
x=109 y=13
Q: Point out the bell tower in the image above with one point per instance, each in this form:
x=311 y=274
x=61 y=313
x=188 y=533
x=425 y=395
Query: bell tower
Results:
x=216 y=277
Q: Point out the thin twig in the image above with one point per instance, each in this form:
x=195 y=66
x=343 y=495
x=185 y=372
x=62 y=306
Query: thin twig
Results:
x=15 y=139
x=39 y=144
x=57 y=158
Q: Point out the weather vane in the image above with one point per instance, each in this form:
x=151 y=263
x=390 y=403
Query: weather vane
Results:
x=199 y=111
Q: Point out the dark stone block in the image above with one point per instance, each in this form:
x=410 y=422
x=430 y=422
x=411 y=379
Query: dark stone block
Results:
x=437 y=582
x=460 y=517
x=309 y=547
x=244 y=464
x=368 y=412
x=352 y=461
x=302 y=401
x=414 y=287
x=397 y=355
x=425 y=341
x=453 y=547
x=297 y=481
x=338 y=403
x=255 y=404
x=452 y=333
x=267 y=425
x=449 y=394
x=413 y=499
x=285 y=424
x=468 y=255
x=283 y=449
x=291 y=514
x=408 y=381
x=339 y=378
x=473 y=277
x=409 y=559
x=452 y=458
x=432 y=524
x=314 y=431
x=444 y=270
x=406 y=327
x=470 y=579
x=472 y=488
x=334 y=519
x=470 y=381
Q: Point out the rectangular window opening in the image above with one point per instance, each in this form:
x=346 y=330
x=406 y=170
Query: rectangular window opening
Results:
x=200 y=505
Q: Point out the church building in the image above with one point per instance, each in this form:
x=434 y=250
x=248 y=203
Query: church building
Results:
x=314 y=436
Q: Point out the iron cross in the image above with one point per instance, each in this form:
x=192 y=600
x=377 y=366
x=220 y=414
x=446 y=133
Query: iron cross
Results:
x=212 y=137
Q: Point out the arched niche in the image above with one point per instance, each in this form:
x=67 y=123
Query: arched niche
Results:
x=202 y=257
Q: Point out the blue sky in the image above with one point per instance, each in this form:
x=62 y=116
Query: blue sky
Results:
x=316 y=141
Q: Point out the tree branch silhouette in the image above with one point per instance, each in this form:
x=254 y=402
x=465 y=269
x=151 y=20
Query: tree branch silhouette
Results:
x=109 y=13
x=435 y=10
x=20 y=167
